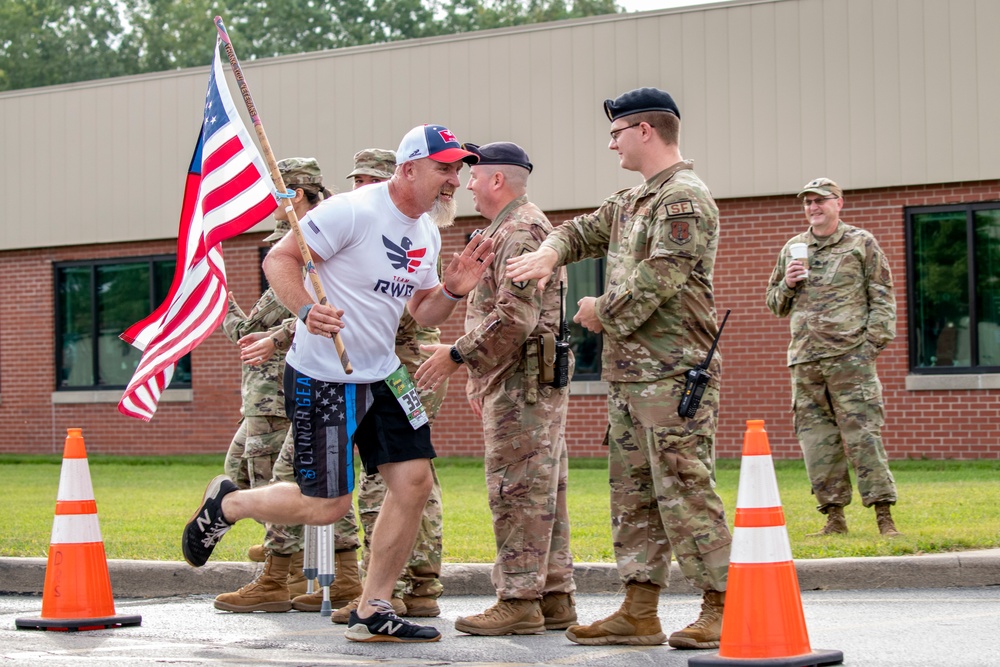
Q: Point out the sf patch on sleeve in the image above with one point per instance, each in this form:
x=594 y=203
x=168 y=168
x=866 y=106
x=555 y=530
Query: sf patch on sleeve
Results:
x=680 y=230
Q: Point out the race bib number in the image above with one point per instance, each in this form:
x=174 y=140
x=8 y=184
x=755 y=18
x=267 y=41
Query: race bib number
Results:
x=406 y=393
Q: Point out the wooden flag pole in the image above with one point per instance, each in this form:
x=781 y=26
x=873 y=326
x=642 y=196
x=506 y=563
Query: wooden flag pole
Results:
x=279 y=183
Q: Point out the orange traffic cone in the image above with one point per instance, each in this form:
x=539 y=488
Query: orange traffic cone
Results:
x=762 y=623
x=77 y=593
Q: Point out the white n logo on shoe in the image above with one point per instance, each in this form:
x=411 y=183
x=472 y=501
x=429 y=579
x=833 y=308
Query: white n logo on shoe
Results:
x=391 y=628
x=203 y=521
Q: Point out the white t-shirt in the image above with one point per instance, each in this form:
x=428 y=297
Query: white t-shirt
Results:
x=373 y=259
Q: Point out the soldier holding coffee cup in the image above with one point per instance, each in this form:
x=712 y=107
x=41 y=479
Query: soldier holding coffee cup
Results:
x=834 y=283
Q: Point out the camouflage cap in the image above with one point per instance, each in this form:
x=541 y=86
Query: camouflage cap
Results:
x=377 y=162
x=822 y=186
x=281 y=227
x=300 y=170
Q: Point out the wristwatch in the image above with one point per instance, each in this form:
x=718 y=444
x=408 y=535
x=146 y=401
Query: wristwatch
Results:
x=455 y=356
x=304 y=311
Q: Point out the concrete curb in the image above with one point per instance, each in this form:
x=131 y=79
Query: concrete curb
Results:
x=150 y=579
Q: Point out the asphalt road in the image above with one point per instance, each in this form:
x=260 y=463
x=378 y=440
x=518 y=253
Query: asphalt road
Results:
x=957 y=627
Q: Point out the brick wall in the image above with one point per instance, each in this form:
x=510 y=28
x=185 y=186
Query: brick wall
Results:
x=933 y=424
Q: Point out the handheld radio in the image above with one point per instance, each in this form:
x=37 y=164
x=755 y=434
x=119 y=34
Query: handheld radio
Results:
x=697 y=380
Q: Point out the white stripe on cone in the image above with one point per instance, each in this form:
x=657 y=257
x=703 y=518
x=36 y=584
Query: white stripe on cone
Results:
x=74 y=481
x=758 y=485
x=75 y=529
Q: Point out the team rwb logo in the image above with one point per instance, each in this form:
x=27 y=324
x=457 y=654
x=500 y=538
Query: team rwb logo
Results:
x=402 y=255
x=447 y=136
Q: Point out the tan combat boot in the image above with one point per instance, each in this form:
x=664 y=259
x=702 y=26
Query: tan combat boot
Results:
x=836 y=523
x=886 y=526
x=346 y=585
x=422 y=601
x=506 y=617
x=559 y=610
x=257 y=553
x=634 y=623
x=268 y=592
x=296 y=577
x=344 y=613
x=706 y=631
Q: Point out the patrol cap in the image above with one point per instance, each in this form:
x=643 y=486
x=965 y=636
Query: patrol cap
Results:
x=822 y=186
x=295 y=171
x=500 y=152
x=435 y=142
x=377 y=162
x=300 y=171
x=640 y=100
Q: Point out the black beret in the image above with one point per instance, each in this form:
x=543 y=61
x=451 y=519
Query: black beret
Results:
x=500 y=152
x=639 y=100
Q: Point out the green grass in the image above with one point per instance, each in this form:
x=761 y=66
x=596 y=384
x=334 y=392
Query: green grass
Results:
x=143 y=504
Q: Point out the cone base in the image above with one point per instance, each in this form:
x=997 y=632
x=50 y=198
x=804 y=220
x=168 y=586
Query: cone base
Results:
x=816 y=658
x=76 y=624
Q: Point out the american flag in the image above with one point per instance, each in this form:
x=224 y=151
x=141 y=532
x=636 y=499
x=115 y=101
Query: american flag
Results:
x=226 y=194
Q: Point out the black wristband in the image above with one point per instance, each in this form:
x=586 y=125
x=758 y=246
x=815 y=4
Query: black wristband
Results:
x=455 y=356
x=304 y=311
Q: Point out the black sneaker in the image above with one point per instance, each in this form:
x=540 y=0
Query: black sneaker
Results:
x=207 y=526
x=385 y=626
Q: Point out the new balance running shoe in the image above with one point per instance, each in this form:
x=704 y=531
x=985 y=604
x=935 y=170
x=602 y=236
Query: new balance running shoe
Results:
x=207 y=525
x=385 y=626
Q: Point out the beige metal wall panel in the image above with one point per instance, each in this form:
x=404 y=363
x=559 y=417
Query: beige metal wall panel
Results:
x=873 y=93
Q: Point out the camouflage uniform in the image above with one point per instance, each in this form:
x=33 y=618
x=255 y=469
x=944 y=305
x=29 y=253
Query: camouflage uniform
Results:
x=523 y=420
x=421 y=577
x=842 y=316
x=659 y=320
x=262 y=430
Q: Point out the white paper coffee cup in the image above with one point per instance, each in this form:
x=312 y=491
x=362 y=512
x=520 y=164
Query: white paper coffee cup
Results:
x=800 y=251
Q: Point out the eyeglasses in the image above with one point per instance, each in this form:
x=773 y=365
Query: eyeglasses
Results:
x=615 y=133
x=817 y=200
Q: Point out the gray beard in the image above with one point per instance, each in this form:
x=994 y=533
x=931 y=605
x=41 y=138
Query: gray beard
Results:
x=443 y=214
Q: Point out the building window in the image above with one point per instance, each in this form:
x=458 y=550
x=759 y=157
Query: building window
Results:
x=953 y=277
x=586 y=278
x=95 y=303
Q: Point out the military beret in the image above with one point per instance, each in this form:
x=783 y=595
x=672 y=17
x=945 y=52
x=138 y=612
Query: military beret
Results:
x=377 y=162
x=640 y=100
x=822 y=186
x=500 y=152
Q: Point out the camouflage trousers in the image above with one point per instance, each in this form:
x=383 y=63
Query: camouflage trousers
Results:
x=526 y=466
x=286 y=540
x=663 y=494
x=838 y=415
x=254 y=449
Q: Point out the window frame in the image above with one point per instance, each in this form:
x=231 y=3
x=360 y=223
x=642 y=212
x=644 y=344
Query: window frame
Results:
x=600 y=264
x=913 y=326
x=93 y=265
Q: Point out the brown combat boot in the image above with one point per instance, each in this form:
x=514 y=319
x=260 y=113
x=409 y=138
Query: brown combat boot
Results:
x=836 y=523
x=559 y=610
x=343 y=614
x=421 y=605
x=296 y=577
x=346 y=585
x=422 y=601
x=886 y=526
x=257 y=553
x=706 y=631
x=634 y=623
x=268 y=592
x=506 y=617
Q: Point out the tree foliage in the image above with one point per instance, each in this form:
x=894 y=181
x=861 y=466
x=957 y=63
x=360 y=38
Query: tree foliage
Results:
x=48 y=42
